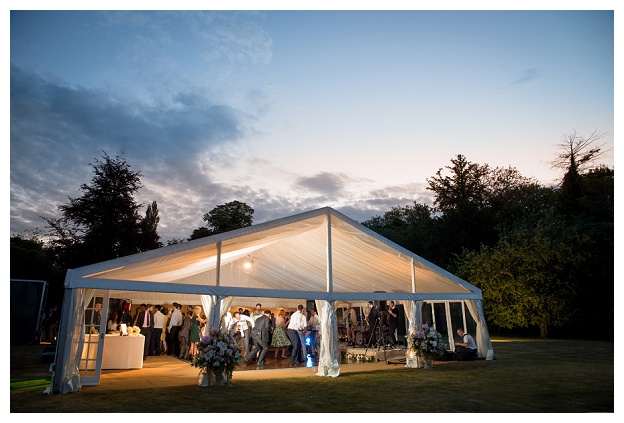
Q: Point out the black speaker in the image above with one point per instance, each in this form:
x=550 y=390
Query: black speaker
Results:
x=401 y=329
x=310 y=305
x=382 y=305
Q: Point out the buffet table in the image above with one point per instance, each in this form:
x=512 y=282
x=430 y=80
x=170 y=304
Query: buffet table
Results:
x=120 y=352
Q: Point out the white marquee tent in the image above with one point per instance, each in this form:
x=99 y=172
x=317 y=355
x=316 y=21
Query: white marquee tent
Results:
x=320 y=255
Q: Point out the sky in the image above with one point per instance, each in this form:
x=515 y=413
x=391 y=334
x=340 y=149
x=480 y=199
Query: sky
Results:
x=290 y=111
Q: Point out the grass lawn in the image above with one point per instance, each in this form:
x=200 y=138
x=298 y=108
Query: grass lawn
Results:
x=527 y=376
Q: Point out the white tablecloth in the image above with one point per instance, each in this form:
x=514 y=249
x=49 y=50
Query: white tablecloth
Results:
x=120 y=352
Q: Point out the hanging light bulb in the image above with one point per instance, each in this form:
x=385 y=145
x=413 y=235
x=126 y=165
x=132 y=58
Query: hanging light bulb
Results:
x=248 y=264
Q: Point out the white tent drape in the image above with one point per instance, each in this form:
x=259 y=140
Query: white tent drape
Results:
x=71 y=339
x=413 y=312
x=215 y=310
x=329 y=354
x=482 y=337
x=224 y=305
x=208 y=302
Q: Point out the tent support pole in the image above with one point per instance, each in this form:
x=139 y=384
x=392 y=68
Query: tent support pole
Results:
x=215 y=311
x=413 y=277
x=330 y=281
x=449 y=323
x=464 y=316
x=218 y=268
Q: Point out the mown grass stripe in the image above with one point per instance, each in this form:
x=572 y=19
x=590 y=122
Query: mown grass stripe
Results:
x=30 y=383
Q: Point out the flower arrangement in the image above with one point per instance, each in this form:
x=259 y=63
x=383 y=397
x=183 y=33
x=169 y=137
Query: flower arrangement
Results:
x=426 y=342
x=217 y=350
x=134 y=331
x=362 y=358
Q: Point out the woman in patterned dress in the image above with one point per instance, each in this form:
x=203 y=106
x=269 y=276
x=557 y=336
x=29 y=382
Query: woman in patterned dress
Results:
x=280 y=340
x=196 y=320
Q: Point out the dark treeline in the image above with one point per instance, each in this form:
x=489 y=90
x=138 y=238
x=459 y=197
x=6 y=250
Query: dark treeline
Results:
x=542 y=255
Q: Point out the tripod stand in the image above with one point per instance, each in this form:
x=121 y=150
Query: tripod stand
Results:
x=377 y=333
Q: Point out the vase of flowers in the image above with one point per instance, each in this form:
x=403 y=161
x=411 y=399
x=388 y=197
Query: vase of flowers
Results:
x=217 y=356
x=204 y=379
x=425 y=344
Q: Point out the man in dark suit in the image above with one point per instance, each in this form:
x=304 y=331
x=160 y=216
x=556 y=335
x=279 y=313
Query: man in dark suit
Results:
x=145 y=321
x=373 y=321
x=260 y=335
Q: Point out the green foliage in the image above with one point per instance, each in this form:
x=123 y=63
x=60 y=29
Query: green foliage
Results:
x=527 y=278
x=465 y=188
x=537 y=252
x=29 y=259
x=224 y=218
x=408 y=226
x=104 y=223
x=149 y=228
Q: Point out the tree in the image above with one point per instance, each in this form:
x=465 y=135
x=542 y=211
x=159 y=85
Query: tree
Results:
x=465 y=187
x=527 y=278
x=29 y=260
x=577 y=155
x=463 y=215
x=104 y=223
x=598 y=202
x=411 y=227
x=224 y=218
x=149 y=228
x=200 y=232
x=32 y=259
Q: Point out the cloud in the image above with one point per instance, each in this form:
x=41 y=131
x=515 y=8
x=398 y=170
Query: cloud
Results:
x=527 y=76
x=323 y=182
x=58 y=129
x=180 y=146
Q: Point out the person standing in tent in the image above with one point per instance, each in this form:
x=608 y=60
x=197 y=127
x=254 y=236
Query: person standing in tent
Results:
x=125 y=317
x=196 y=320
x=145 y=320
x=111 y=324
x=280 y=340
x=159 y=321
x=260 y=334
x=97 y=319
x=138 y=311
x=164 y=334
x=393 y=321
x=175 y=324
x=373 y=321
x=185 y=334
x=296 y=328
x=241 y=326
x=257 y=312
x=314 y=326
x=350 y=323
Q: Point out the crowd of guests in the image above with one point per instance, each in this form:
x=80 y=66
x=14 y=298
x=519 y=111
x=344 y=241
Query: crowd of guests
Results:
x=286 y=333
x=170 y=330
x=167 y=329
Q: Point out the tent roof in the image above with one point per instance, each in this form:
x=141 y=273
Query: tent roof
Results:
x=285 y=258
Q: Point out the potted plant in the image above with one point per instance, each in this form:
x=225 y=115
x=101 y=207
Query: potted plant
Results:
x=217 y=356
x=426 y=344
